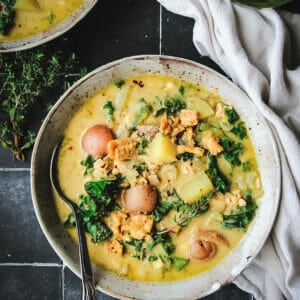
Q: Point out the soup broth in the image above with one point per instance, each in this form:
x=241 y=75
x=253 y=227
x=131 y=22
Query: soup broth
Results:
x=176 y=186
x=33 y=17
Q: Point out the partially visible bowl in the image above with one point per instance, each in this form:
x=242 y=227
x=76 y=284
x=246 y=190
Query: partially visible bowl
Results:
x=50 y=34
x=267 y=157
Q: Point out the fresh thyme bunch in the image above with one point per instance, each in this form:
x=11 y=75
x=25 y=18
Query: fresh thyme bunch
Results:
x=24 y=77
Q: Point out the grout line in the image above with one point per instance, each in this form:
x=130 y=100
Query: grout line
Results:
x=160 y=28
x=63 y=281
x=14 y=169
x=35 y=264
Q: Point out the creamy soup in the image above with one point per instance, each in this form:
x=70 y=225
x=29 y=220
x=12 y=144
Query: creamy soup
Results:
x=164 y=174
x=36 y=16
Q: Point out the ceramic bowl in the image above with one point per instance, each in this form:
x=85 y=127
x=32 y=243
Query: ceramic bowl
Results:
x=266 y=151
x=50 y=34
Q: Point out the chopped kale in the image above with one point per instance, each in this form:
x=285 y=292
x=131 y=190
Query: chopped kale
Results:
x=246 y=166
x=177 y=263
x=232 y=115
x=110 y=110
x=99 y=201
x=181 y=90
x=152 y=257
x=242 y=215
x=171 y=106
x=70 y=221
x=231 y=151
x=140 y=168
x=143 y=143
x=88 y=163
x=7 y=15
x=185 y=156
x=161 y=210
x=99 y=231
x=119 y=83
x=136 y=243
x=169 y=248
x=218 y=179
x=239 y=131
x=158 y=239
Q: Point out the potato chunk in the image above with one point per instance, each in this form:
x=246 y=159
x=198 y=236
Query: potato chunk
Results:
x=162 y=150
x=191 y=190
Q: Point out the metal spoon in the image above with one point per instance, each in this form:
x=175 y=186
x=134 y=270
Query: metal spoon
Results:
x=88 y=286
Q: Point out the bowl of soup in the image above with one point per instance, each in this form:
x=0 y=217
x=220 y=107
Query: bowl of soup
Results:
x=28 y=23
x=175 y=173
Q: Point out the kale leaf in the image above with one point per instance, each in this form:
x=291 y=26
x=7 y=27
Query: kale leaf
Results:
x=232 y=115
x=171 y=106
x=161 y=210
x=110 y=110
x=242 y=215
x=99 y=201
x=119 y=83
x=239 y=131
x=7 y=15
x=185 y=156
x=231 y=151
x=218 y=179
x=88 y=163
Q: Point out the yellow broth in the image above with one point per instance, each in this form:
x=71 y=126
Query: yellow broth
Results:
x=37 y=18
x=70 y=172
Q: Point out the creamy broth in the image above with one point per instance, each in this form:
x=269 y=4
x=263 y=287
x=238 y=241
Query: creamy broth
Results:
x=173 y=177
x=39 y=16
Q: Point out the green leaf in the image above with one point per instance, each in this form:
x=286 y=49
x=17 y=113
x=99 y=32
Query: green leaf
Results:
x=232 y=115
x=119 y=83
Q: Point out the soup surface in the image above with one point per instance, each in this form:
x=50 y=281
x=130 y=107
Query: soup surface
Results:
x=35 y=16
x=164 y=174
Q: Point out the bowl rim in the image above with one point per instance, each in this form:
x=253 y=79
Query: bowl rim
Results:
x=53 y=32
x=277 y=184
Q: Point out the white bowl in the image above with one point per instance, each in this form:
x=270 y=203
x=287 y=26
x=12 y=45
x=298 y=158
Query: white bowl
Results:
x=267 y=157
x=50 y=34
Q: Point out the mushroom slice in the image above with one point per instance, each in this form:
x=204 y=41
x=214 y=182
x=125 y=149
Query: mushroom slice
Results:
x=205 y=246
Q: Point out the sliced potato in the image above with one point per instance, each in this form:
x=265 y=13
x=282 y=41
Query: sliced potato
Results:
x=162 y=150
x=201 y=106
x=191 y=190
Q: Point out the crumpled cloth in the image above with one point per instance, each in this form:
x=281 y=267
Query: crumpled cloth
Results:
x=260 y=51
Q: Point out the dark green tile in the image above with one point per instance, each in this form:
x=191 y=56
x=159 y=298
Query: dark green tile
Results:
x=21 y=238
x=30 y=283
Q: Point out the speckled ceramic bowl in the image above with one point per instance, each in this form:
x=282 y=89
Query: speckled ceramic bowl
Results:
x=50 y=34
x=267 y=156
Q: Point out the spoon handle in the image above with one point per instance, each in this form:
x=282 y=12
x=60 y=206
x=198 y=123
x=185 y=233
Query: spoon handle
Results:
x=89 y=291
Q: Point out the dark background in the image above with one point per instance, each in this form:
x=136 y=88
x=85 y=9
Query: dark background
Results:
x=29 y=268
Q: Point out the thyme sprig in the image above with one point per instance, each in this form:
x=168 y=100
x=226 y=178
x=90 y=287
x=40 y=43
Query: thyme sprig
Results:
x=24 y=78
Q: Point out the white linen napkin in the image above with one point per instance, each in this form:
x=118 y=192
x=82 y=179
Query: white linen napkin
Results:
x=260 y=51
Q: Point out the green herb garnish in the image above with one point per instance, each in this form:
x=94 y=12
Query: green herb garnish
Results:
x=185 y=156
x=231 y=151
x=7 y=15
x=119 y=83
x=171 y=106
x=242 y=215
x=232 y=115
x=246 y=166
x=181 y=90
x=110 y=110
x=239 y=131
x=26 y=76
x=88 y=163
x=218 y=179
